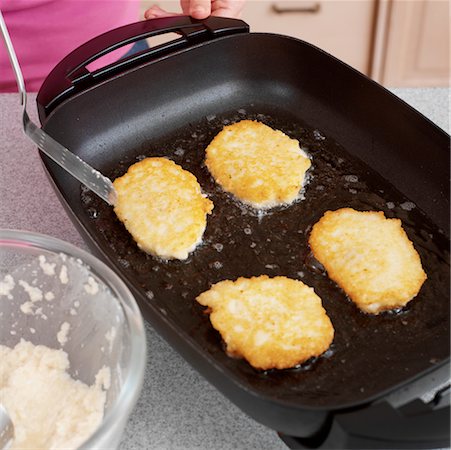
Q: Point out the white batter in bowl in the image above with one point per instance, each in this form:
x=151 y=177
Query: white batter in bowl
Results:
x=72 y=344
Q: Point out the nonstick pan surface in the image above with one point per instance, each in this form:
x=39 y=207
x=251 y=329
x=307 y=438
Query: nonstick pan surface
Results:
x=368 y=152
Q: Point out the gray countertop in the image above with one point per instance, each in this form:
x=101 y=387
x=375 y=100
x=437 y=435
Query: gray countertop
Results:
x=177 y=407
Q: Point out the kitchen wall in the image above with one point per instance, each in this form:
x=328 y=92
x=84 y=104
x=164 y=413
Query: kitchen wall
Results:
x=398 y=43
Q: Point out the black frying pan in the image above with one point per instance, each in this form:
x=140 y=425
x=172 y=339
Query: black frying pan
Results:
x=370 y=151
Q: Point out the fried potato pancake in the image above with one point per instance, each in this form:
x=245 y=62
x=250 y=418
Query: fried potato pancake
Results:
x=369 y=256
x=260 y=166
x=162 y=207
x=271 y=322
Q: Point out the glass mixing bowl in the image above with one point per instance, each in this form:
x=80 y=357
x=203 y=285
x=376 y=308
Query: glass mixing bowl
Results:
x=55 y=294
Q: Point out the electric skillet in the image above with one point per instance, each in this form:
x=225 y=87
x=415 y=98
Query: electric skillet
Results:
x=370 y=151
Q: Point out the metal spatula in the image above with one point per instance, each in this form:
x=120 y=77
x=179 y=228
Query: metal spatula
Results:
x=82 y=171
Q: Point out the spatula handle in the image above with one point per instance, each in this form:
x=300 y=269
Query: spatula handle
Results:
x=78 y=168
x=14 y=61
x=71 y=75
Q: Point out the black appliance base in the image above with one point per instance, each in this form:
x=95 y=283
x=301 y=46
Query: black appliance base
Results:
x=382 y=427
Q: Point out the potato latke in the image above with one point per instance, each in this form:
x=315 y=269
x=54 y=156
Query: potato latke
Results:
x=260 y=166
x=369 y=256
x=162 y=207
x=271 y=322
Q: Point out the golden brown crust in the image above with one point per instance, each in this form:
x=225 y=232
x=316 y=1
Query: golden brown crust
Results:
x=162 y=207
x=274 y=323
x=260 y=166
x=369 y=256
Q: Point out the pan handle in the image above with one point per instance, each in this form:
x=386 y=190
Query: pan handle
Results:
x=71 y=75
x=417 y=425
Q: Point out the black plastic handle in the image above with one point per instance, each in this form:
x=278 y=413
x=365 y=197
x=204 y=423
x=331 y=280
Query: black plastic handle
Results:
x=417 y=425
x=71 y=76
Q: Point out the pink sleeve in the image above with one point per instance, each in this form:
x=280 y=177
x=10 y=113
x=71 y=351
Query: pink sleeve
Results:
x=45 y=31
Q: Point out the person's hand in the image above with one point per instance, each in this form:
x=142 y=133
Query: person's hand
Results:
x=200 y=9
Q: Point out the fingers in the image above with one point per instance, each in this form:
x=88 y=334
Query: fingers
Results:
x=185 y=6
x=155 y=12
x=227 y=8
x=199 y=9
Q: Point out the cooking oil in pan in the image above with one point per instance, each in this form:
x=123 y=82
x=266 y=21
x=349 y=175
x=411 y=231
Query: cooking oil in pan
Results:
x=240 y=241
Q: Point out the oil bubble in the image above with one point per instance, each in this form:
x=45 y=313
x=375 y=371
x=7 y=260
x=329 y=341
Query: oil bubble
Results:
x=407 y=206
x=314 y=265
x=93 y=213
x=318 y=136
